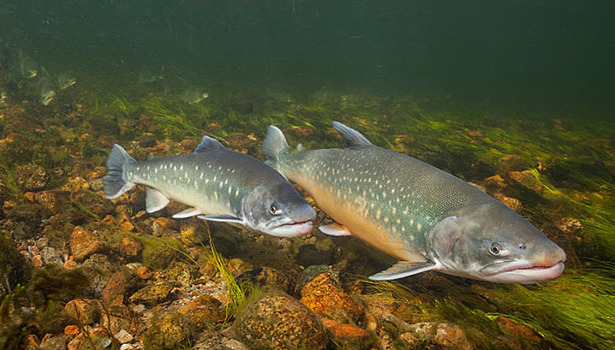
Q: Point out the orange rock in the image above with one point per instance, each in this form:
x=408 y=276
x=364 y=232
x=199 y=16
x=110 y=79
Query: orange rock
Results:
x=341 y=330
x=124 y=221
x=70 y=263
x=325 y=297
x=71 y=330
x=96 y=174
x=82 y=310
x=84 y=243
x=113 y=294
x=452 y=336
x=495 y=183
x=29 y=196
x=510 y=202
x=144 y=273
x=204 y=310
x=76 y=184
x=130 y=246
x=37 y=261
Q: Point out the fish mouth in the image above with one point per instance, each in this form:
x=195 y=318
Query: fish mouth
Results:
x=292 y=229
x=526 y=273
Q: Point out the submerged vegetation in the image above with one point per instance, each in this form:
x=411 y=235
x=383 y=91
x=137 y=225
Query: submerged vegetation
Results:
x=563 y=175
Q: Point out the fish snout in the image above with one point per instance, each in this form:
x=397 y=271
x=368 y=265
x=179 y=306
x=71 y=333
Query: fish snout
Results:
x=302 y=212
x=551 y=255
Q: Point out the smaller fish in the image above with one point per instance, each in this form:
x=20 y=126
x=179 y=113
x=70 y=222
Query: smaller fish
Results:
x=194 y=95
x=66 y=80
x=218 y=184
x=27 y=66
x=45 y=88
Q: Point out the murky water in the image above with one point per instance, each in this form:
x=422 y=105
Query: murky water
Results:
x=514 y=97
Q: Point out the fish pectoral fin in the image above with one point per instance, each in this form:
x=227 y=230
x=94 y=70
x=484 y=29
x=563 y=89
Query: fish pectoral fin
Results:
x=190 y=212
x=154 y=200
x=222 y=218
x=335 y=229
x=403 y=269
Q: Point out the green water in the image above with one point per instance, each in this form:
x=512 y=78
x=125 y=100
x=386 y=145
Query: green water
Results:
x=458 y=84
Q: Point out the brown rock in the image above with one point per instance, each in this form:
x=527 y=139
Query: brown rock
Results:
x=50 y=200
x=510 y=163
x=570 y=226
x=130 y=246
x=144 y=273
x=152 y=294
x=75 y=184
x=113 y=294
x=124 y=221
x=32 y=177
x=452 y=336
x=95 y=174
x=495 y=183
x=71 y=330
x=84 y=311
x=325 y=297
x=70 y=263
x=517 y=330
x=84 y=243
x=278 y=321
x=526 y=179
x=54 y=342
x=512 y=203
x=204 y=310
x=193 y=232
x=37 y=260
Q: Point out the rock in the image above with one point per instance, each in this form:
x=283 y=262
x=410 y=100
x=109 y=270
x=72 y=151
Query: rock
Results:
x=212 y=340
x=570 y=226
x=84 y=243
x=277 y=321
x=123 y=337
x=325 y=297
x=130 y=247
x=203 y=311
x=152 y=294
x=526 y=179
x=53 y=342
x=193 y=232
x=32 y=177
x=71 y=330
x=98 y=269
x=37 y=261
x=114 y=291
x=495 y=183
x=510 y=163
x=452 y=336
x=75 y=184
x=51 y=200
x=512 y=203
x=83 y=311
x=96 y=185
x=349 y=336
x=168 y=331
x=517 y=330
x=320 y=253
x=50 y=256
x=267 y=276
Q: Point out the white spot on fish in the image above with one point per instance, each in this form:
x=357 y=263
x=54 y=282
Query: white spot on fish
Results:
x=201 y=176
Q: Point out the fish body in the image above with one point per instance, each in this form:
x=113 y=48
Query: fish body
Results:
x=218 y=184
x=46 y=90
x=423 y=216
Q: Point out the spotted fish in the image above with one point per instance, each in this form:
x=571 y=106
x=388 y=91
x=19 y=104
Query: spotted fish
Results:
x=425 y=217
x=218 y=184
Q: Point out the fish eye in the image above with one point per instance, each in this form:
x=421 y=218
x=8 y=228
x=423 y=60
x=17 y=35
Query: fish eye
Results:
x=274 y=210
x=495 y=249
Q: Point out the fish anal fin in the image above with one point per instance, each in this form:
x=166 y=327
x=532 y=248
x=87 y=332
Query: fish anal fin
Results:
x=154 y=200
x=335 y=229
x=222 y=218
x=208 y=144
x=187 y=213
x=403 y=269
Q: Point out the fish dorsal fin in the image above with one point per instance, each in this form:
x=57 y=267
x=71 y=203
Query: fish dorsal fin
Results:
x=352 y=137
x=154 y=200
x=404 y=269
x=208 y=144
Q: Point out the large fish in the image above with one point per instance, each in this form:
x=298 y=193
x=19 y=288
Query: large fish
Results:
x=218 y=184
x=425 y=217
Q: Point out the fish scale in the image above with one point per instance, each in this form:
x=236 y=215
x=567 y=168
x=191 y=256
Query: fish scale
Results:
x=217 y=184
x=425 y=217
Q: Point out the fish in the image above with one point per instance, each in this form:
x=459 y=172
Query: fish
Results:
x=218 y=184
x=427 y=218
x=45 y=90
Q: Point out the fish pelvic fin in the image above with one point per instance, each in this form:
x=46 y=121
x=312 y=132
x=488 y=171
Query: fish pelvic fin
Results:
x=274 y=147
x=352 y=137
x=404 y=269
x=115 y=182
x=335 y=229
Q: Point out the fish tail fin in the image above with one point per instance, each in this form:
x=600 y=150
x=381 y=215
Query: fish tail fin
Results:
x=275 y=147
x=115 y=182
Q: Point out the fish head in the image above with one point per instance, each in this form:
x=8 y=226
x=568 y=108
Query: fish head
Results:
x=278 y=210
x=490 y=242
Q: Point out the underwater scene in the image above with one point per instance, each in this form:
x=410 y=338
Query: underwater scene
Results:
x=307 y=174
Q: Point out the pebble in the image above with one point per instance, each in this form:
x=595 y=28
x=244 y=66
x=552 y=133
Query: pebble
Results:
x=123 y=337
x=84 y=243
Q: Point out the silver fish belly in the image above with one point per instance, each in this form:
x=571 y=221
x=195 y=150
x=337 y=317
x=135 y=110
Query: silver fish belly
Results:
x=218 y=184
x=425 y=217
